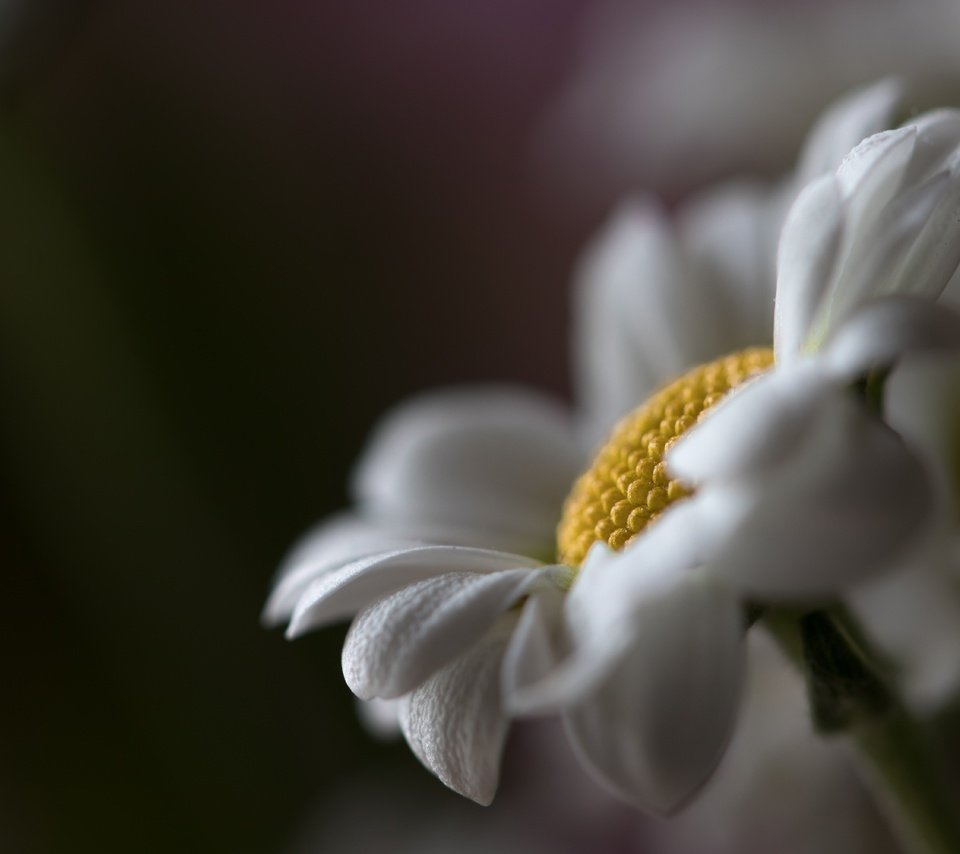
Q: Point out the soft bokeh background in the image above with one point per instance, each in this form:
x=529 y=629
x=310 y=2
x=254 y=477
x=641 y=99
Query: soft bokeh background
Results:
x=232 y=235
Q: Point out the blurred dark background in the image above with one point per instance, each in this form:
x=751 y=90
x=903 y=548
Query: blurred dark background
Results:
x=232 y=235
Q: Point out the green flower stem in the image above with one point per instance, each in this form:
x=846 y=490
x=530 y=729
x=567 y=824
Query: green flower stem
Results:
x=849 y=696
x=909 y=786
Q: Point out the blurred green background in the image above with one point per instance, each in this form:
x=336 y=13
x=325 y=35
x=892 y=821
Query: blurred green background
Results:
x=232 y=234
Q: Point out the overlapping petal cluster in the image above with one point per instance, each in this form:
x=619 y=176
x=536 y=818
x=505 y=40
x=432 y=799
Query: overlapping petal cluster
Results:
x=801 y=489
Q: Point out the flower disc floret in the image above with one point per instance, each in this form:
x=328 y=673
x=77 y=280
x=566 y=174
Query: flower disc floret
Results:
x=628 y=485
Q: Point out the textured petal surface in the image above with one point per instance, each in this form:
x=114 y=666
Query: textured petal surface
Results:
x=656 y=727
x=494 y=461
x=454 y=722
x=397 y=643
x=341 y=593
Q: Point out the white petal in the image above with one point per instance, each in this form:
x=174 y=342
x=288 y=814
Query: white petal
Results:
x=610 y=313
x=842 y=506
x=657 y=726
x=806 y=262
x=538 y=643
x=933 y=259
x=454 y=722
x=752 y=428
x=643 y=316
x=870 y=177
x=729 y=236
x=341 y=593
x=938 y=136
x=922 y=402
x=612 y=595
x=872 y=172
x=858 y=115
x=569 y=662
x=495 y=461
x=885 y=330
x=397 y=643
x=326 y=547
x=879 y=264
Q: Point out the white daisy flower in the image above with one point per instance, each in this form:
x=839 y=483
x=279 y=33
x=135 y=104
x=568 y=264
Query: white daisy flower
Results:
x=635 y=634
x=800 y=490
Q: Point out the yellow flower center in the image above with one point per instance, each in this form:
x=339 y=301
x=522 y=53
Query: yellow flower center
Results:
x=628 y=486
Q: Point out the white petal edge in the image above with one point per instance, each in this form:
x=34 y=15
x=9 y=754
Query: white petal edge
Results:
x=454 y=722
x=656 y=728
x=324 y=548
x=494 y=460
x=752 y=428
x=845 y=123
x=341 y=593
x=397 y=643
x=842 y=507
x=885 y=330
x=807 y=259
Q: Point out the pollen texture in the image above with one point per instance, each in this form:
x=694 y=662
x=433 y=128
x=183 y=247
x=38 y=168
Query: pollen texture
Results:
x=628 y=485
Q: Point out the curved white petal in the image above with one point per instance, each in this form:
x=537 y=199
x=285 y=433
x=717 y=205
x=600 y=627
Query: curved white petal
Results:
x=454 y=722
x=922 y=402
x=497 y=462
x=341 y=593
x=395 y=644
x=340 y=540
x=326 y=547
x=938 y=136
x=869 y=179
x=752 y=428
x=806 y=262
x=885 y=330
x=643 y=315
x=657 y=726
x=611 y=315
x=538 y=643
x=903 y=242
x=856 y=116
x=934 y=256
x=729 y=236
x=872 y=171
x=842 y=506
x=613 y=594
